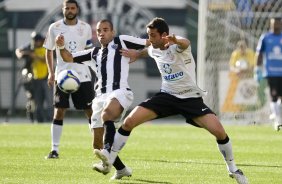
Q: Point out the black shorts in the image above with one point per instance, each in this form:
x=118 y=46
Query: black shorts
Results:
x=82 y=98
x=165 y=105
x=275 y=86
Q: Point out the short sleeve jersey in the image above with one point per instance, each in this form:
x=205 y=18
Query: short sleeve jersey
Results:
x=177 y=68
x=271 y=46
x=77 y=38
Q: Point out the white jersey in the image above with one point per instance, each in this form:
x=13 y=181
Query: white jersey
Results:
x=177 y=68
x=77 y=38
x=110 y=66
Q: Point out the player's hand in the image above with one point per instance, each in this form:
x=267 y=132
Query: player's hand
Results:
x=51 y=80
x=130 y=53
x=170 y=39
x=258 y=74
x=60 y=40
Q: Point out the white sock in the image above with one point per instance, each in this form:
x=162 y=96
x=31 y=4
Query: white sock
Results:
x=56 y=132
x=118 y=144
x=275 y=109
x=226 y=151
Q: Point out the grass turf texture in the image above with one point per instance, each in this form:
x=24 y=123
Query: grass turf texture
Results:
x=164 y=154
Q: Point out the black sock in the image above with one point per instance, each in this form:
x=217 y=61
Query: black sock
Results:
x=58 y=122
x=89 y=121
x=109 y=134
x=123 y=132
x=118 y=164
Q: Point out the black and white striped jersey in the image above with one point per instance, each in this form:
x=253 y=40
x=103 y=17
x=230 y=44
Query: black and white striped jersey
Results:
x=111 y=67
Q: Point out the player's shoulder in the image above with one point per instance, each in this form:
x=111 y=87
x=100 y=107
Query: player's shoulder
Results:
x=83 y=23
x=57 y=24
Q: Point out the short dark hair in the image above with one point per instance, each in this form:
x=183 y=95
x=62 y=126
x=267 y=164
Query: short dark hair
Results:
x=106 y=20
x=71 y=1
x=159 y=24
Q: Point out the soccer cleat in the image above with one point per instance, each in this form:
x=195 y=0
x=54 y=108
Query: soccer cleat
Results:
x=100 y=168
x=121 y=173
x=103 y=155
x=53 y=154
x=239 y=176
x=277 y=126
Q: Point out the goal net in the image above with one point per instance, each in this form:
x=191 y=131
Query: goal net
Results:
x=222 y=23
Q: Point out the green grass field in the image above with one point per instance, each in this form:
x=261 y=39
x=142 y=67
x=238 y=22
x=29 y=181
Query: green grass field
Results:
x=164 y=154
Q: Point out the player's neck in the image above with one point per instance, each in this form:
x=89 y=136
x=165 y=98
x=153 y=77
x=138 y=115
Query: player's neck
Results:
x=70 y=22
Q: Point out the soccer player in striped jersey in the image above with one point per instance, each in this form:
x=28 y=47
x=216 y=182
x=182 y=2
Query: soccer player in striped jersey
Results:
x=78 y=35
x=179 y=94
x=113 y=94
x=269 y=65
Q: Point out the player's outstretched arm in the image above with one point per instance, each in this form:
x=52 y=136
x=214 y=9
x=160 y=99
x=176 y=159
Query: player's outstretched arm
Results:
x=66 y=55
x=134 y=54
x=182 y=43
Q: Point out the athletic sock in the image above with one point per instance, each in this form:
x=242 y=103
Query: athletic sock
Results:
x=56 y=132
x=225 y=147
x=89 y=125
x=118 y=164
x=275 y=109
x=120 y=140
x=109 y=134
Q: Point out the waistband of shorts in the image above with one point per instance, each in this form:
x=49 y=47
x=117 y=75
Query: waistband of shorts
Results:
x=100 y=92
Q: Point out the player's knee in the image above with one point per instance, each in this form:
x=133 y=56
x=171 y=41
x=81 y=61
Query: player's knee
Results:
x=129 y=124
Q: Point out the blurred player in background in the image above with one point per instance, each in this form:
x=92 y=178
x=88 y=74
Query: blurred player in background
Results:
x=78 y=36
x=113 y=94
x=269 y=65
x=179 y=94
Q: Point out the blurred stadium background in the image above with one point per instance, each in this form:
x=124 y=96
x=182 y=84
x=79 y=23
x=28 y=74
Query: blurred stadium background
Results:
x=213 y=27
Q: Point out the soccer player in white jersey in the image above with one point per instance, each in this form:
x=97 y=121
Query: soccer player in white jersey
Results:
x=113 y=94
x=78 y=35
x=179 y=94
x=269 y=65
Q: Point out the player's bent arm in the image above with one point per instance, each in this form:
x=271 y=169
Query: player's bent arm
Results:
x=66 y=56
x=134 y=54
x=182 y=43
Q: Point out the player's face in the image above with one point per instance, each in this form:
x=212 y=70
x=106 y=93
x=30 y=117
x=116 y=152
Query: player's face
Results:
x=155 y=38
x=105 y=33
x=70 y=11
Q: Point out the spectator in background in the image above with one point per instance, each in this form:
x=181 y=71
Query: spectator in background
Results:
x=269 y=65
x=242 y=60
x=42 y=93
x=34 y=75
x=241 y=82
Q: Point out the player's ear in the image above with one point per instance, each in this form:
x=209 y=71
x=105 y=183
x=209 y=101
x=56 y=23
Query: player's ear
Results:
x=164 y=34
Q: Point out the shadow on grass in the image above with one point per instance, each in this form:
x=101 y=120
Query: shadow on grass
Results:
x=142 y=181
x=207 y=163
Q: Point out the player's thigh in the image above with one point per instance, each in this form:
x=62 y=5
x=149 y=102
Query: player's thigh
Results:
x=211 y=123
x=61 y=99
x=112 y=110
x=138 y=116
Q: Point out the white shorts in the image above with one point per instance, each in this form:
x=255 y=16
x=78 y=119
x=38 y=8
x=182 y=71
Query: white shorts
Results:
x=125 y=98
